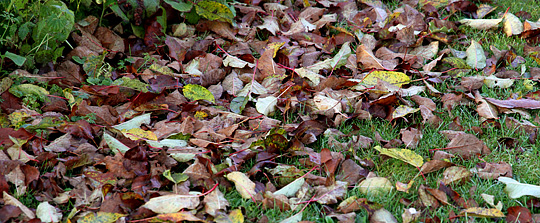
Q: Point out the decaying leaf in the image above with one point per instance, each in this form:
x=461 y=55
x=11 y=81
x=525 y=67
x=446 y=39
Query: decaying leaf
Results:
x=172 y=203
x=512 y=24
x=483 y=212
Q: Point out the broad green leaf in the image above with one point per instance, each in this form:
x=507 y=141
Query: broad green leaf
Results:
x=175 y=177
x=18 y=60
x=114 y=144
x=23 y=90
x=392 y=77
x=180 y=6
x=134 y=122
x=404 y=155
x=101 y=217
x=238 y=104
x=214 y=11
x=475 y=55
x=515 y=189
x=266 y=105
x=196 y=92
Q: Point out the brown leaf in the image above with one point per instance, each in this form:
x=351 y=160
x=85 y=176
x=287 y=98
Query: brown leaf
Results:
x=493 y=170
x=434 y=165
x=464 y=144
x=410 y=137
x=518 y=214
x=369 y=61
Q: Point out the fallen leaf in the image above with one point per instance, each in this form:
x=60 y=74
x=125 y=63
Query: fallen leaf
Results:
x=375 y=186
x=475 y=55
x=512 y=24
x=104 y=217
x=482 y=24
x=404 y=155
x=483 y=212
x=518 y=214
x=172 y=203
x=515 y=189
x=243 y=184
x=48 y=213
x=455 y=175
x=493 y=170
x=196 y=92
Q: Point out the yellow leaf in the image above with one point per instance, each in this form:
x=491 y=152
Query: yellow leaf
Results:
x=392 y=77
x=483 y=212
x=404 y=155
x=512 y=25
x=101 y=217
x=274 y=47
x=196 y=92
x=236 y=216
x=212 y=10
x=484 y=9
x=137 y=133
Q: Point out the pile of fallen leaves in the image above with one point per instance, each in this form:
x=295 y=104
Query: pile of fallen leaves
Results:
x=206 y=110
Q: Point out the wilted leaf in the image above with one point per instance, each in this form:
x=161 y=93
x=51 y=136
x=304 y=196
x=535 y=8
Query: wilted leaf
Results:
x=483 y=212
x=402 y=111
x=196 y=92
x=172 y=203
x=243 y=184
x=475 y=55
x=404 y=155
x=515 y=189
x=484 y=9
x=512 y=25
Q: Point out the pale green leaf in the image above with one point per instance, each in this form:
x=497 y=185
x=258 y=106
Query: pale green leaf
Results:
x=266 y=105
x=475 y=55
x=18 y=60
x=48 y=213
x=291 y=188
x=114 y=144
x=134 y=122
x=180 y=6
x=515 y=189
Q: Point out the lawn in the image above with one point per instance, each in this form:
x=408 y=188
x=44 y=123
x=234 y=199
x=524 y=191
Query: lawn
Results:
x=318 y=111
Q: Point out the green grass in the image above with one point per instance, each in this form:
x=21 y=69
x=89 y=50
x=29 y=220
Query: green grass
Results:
x=526 y=168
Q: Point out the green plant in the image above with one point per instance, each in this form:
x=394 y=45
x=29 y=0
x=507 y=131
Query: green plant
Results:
x=90 y=118
x=32 y=32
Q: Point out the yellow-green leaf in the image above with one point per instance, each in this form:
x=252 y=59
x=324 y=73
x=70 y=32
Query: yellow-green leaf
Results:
x=483 y=212
x=402 y=111
x=392 y=77
x=236 y=216
x=196 y=92
x=404 y=155
x=214 y=11
x=101 y=217
x=137 y=134
x=29 y=89
x=475 y=55
x=512 y=25
x=5 y=84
